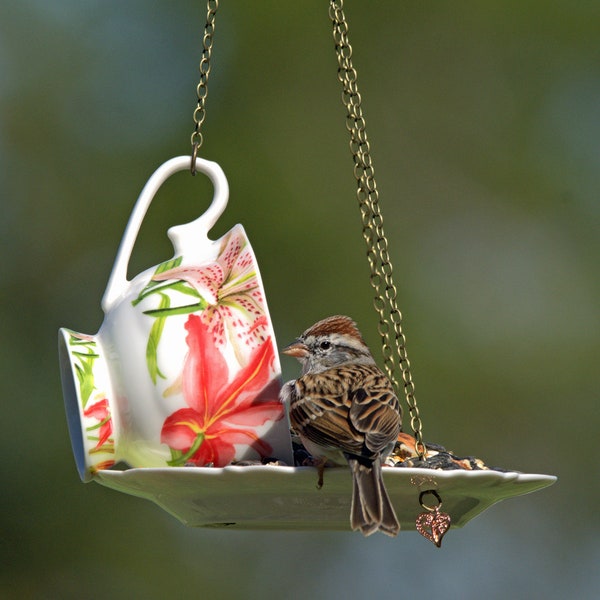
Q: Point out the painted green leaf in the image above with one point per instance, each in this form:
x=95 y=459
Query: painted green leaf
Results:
x=161 y=286
x=99 y=424
x=168 y=265
x=185 y=288
x=179 y=459
x=150 y=287
x=154 y=339
x=175 y=310
x=85 y=355
x=85 y=367
x=108 y=447
x=176 y=458
x=85 y=376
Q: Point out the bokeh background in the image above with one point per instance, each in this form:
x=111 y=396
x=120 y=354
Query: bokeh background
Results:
x=484 y=118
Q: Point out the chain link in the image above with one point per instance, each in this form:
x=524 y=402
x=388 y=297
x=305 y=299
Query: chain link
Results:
x=392 y=336
x=202 y=87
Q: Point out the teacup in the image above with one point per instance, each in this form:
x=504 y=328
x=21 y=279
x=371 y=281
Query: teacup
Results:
x=184 y=369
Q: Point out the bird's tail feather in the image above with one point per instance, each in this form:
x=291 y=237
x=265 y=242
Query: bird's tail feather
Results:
x=371 y=509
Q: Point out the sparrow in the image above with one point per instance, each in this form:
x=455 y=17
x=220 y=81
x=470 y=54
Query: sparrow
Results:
x=345 y=411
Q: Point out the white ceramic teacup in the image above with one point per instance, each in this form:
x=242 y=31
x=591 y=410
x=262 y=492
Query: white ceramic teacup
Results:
x=184 y=369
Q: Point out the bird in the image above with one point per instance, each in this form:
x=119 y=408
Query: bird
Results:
x=345 y=411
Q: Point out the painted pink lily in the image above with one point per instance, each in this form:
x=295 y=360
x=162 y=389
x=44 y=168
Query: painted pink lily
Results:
x=221 y=413
x=230 y=287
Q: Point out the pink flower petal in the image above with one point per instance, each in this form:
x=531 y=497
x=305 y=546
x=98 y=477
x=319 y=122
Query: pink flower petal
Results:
x=180 y=430
x=231 y=249
x=214 y=452
x=246 y=437
x=105 y=433
x=255 y=416
x=206 y=280
x=205 y=372
x=248 y=382
x=98 y=410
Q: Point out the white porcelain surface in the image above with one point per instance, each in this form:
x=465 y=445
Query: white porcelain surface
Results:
x=185 y=367
x=286 y=498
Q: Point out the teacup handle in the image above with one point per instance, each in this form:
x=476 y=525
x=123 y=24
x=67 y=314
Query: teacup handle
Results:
x=180 y=235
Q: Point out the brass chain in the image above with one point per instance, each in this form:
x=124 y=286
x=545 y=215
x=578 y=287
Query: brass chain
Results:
x=202 y=87
x=392 y=336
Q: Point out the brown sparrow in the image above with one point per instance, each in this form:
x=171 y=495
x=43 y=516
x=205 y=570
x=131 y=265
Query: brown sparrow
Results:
x=345 y=410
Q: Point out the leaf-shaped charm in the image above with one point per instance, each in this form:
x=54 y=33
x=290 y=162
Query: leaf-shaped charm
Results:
x=433 y=525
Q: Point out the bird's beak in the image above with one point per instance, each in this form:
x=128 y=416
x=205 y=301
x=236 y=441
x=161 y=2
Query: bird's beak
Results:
x=297 y=348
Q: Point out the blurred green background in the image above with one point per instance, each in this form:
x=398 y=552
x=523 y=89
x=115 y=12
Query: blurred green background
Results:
x=484 y=118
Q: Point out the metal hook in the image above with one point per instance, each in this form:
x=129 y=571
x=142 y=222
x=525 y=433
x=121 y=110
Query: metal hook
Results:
x=194 y=157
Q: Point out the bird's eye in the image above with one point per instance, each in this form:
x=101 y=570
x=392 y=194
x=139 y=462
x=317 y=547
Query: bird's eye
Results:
x=325 y=345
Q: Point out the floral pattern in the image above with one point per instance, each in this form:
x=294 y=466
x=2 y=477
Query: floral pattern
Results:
x=164 y=310
x=221 y=412
x=226 y=294
x=230 y=288
x=100 y=412
x=97 y=416
x=219 y=397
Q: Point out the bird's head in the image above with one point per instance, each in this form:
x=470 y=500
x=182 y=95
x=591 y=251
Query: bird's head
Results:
x=332 y=342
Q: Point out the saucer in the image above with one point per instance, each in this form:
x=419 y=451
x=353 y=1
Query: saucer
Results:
x=286 y=498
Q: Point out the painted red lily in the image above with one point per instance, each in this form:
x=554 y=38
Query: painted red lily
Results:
x=230 y=287
x=100 y=411
x=221 y=413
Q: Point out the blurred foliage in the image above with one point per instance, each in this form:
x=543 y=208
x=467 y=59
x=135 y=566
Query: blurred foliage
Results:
x=484 y=123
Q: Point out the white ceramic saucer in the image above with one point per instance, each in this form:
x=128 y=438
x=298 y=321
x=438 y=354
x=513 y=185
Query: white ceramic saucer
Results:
x=286 y=498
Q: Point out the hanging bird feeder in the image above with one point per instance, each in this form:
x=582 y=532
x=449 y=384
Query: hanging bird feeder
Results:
x=176 y=398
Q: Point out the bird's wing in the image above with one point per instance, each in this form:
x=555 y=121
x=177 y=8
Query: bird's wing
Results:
x=319 y=409
x=375 y=411
x=353 y=409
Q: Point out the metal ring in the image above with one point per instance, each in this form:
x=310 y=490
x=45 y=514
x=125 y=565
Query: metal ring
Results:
x=430 y=508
